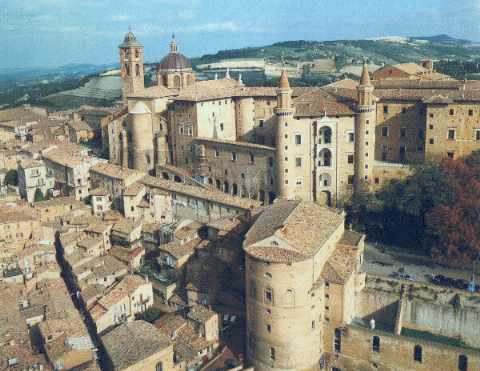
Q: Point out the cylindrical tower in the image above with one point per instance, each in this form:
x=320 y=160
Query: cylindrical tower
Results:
x=124 y=148
x=245 y=111
x=141 y=129
x=365 y=122
x=284 y=113
x=162 y=150
x=283 y=316
x=131 y=66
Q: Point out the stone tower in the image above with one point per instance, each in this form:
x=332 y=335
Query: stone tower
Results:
x=284 y=113
x=142 y=143
x=365 y=122
x=131 y=66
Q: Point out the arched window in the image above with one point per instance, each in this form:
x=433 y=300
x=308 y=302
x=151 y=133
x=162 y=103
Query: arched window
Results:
x=234 y=189
x=417 y=353
x=127 y=69
x=176 y=81
x=325 y=135
x=462 y=362
x=325 y=158
x=210 y=181
x=159 y=366
x=177 y=179
x=376 y=344
x=218 y=184
x=290 y=297
x=226 y=187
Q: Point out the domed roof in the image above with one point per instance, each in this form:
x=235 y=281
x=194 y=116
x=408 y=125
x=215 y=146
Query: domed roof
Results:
x=130 y=40
x=174 y=60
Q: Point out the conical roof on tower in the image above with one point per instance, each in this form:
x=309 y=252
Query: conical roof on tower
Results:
x=365 y=79
x=284 y=84
x=130 y=41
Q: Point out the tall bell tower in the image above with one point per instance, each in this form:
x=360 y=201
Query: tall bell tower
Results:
x=131 y=66
x=365 y=122
x=284 y=113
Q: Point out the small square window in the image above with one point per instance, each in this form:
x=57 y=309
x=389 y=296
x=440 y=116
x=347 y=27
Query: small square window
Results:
x=431 y=115
x=431 y=141
x=470 y=112
x=452 y=112
x=431 y=127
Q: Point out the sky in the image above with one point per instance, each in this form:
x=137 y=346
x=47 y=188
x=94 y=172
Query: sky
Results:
x=48 y=33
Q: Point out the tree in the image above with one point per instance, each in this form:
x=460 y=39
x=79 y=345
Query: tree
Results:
x=11 y=178
x=453 y=227
x=38 y=196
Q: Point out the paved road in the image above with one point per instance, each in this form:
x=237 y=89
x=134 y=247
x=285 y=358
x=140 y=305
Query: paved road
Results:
x=383 y=263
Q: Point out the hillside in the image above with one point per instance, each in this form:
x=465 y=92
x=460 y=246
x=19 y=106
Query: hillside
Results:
x=388 y=50
x=69 y=86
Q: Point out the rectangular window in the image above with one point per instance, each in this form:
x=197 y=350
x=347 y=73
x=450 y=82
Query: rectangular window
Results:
x=350 y=179
x=234 y=156
x=260 y=123
x=403 y=132
x=451 y=134
x=452 y=111
x=376 y=344
x=451 y=154
x=350 y=158
x=221 y=127
x=272 y=354
x=269 y=295
x=298 y=139
x=385 y=109
x=338 y=341
x=431 y=141
x=351 y=137
x=477 y=134
x=298 y=162
x=384 y=131
x=217 y=153
x=470 y=112
x=299 y=181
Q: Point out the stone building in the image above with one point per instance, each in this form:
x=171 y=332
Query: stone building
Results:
x=310 y=307
x=33 y=177
x=338 y=137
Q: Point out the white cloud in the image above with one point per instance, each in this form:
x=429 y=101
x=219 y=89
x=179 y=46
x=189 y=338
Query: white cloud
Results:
x=119 y=18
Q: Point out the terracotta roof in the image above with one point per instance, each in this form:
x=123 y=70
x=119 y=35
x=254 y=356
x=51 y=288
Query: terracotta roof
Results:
x=132 y=342
x=200 y=193
x=245 y=145
x=340 y=265
x=124 y=288
x=303 y=226
x=200 y=313
x=179 y=250
x=319 y=102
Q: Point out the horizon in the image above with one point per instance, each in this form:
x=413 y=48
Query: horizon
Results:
x=57 y=33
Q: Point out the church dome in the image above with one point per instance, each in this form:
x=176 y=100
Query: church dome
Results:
x=174 y=60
